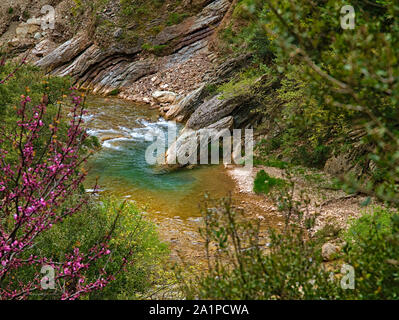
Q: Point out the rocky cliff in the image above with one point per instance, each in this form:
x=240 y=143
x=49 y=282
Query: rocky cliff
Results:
x=160 y=57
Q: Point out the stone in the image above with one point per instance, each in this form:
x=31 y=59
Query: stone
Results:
x=187 y=105
x=42 y=48
x=211 y=111
x=37 y=35
x=65 y=52
x=329 y=251
x=22 y=30
x=36 y=21
x=164 y=96
x=118 y=33
x=188 y=143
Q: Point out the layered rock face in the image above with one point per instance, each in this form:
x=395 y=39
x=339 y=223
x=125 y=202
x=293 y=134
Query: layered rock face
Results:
x=131 y=72
x=175 y=81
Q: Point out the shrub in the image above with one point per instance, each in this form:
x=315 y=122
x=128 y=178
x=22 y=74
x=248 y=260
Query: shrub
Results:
x=242 y=265
x=264 y=183
x=288 y=264
x=176 y=18
x=133 y=237
x=373 y=250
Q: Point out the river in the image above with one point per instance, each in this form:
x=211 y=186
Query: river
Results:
x=169 y=199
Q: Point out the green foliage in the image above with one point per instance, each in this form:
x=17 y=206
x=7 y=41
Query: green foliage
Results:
x=348 y=75
x=316 y=157
x=272 y=162
x=331 y=81
x=89 y=227
x=373 y=249
x=114 y=92
x=288 y=265
x=176 y=18
x=156 y=49
x=264 y=183
x=243 y=266
x=29 y=80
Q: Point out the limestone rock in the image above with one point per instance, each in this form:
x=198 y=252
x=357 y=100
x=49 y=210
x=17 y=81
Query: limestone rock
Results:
x=43 y=48
x=65 y=52
x=184 y=151
x=211 y=111
x=24 y=29
x=187 y=105
x=329 y=251
x=164 y=96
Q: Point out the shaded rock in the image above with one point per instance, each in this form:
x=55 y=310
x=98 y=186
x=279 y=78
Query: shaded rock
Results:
x=338 y=164
x=219 y=107
x=20 y=45
x=224 y=71
x=194 y=28
x=211 y=14
x=65 y=52
x=329 y=251
x=346 y=162
x=24 y=29
x=118 y=33
x=187 y=105
x=184 y=151
x=210 y=112
x=43 y=47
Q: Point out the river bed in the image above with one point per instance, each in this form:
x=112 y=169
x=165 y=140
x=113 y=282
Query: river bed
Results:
x=169 y=199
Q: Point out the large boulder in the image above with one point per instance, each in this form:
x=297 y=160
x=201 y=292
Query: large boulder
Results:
x=329 y=251
x=210 y=111
x=188 y=143
x=219 y=107
x=347 y=162
x=65 y=53
x=185 y=107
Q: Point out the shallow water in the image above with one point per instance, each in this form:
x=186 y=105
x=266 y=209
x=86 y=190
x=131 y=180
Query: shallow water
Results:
x=125 y=130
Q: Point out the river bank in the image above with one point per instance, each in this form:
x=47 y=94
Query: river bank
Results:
x=331 y=206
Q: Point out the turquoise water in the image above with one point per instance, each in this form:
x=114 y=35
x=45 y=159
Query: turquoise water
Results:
x=125 y=130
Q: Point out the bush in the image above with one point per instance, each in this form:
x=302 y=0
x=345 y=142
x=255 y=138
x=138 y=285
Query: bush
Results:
x=132 y=233
x=243 y=265
x=264 y=183
x=176 y=18
x=312 y=157
x=373 y=250
x=288 y=264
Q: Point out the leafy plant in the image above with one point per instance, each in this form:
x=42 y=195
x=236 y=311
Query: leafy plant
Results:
x=264 y=183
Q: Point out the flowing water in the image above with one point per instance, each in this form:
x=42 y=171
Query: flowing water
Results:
x=125 y=130
x=171 y=199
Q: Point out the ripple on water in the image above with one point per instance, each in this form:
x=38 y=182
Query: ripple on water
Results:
x=126 y=130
